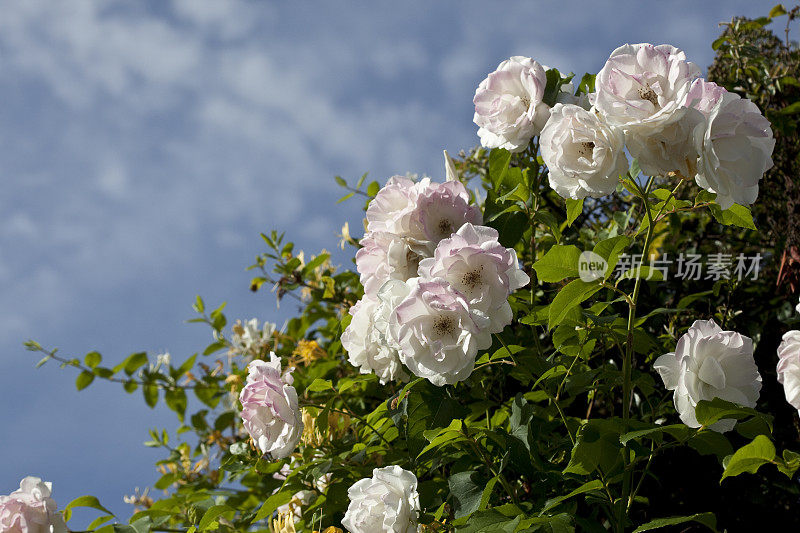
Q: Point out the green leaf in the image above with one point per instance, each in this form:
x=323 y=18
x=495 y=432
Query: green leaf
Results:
x=319 y=385
x=574 y=209
x=735 y=215
x=777 y=11
x=210 y=517
x=595 y=484
x=373 y=188
x=83 y=501
x=597 y=445
x=558 y=263
x=568 y=298
x=176 y=400
x=610 y=249
x=499 y=159
x=790 y=109
x=510 y=226
x=92 y=359
x=132 y=363
x=317 y=261
x=271 y=504
x=750 y=457
x=199 y=306
x=467 y=491
x=706 y=519
x=345 y=197
x=150 y=392
x=341 y=181
x=711 y=412
x=84 y=379
x=553 y=87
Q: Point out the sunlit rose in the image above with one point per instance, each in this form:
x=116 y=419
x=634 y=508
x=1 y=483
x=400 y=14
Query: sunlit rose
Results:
x=710 y=363
x=386 y=502
x=789 y=367
x=509 y=109
x=584 y=156
x=270 y=410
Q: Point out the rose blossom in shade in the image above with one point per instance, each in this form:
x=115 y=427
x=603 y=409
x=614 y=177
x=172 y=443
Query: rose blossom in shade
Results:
x=31 y=509
x=789 y=367
x=384 y=256
x=710 y=363
x=584 y=156
x=642 y=85
x=670 y=148
x=735 y=148
x=509 y=109
x=437 y=332
x=365 y=338
x=479 y=268
x=270 y=410
x=386 y=502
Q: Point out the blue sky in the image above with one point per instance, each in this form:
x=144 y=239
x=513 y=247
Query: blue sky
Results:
x=144 y=145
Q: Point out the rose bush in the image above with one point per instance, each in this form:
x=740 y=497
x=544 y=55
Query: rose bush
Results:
x=469 y=376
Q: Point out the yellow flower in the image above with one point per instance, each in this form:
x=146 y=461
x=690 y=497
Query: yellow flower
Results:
x=330 y=529
x=308 y=351
x=284 y=523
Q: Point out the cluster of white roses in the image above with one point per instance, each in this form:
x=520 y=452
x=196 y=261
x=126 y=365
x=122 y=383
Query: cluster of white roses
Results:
x=436 y=283
x=31 y=509
x=647 y=98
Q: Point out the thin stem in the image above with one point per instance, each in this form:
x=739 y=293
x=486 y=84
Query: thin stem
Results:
x=352 y=413
x=627 y=361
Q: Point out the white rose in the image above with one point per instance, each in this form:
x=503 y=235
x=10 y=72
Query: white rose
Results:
x=789 y=367
x=642 y=85
x=270 y=410
x=437 y=332
x=710 y=363
x=365 y=339
x=384 y=256
x=670 y=148
x=584 y=156
x=481 y=269
x=735 y=148
x=508 y=104
x=386 y=502
x=31 y=509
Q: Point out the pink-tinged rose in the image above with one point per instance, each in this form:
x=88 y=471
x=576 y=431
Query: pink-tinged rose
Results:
x=703 y=96
x=384 y=256
x=387 y=502
x=366 y=339
x=584 y=155
x=31 y=509
x=509 y=109
x=710 y=363
x=479 y=268
x=437 y=333
x=442 y=208
x=270 y=410
x=789 y=367
x=735 y=147
x=391 y=209
x=642 y=85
